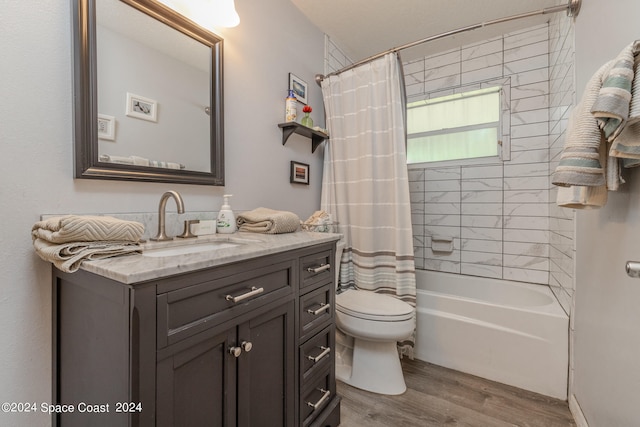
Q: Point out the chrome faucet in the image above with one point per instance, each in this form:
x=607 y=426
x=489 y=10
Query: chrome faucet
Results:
x=162 y=235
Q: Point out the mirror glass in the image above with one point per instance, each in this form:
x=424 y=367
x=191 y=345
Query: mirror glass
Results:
x=148 y=95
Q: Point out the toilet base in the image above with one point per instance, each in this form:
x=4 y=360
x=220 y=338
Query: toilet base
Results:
x=375 y=367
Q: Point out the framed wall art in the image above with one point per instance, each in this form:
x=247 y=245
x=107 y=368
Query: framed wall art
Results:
x=299 y=173
x=141 y=107
x=299 y=88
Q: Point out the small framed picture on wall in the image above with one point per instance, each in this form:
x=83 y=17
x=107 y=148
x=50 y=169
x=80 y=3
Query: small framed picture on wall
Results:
x=299 y=173
x=299 y=88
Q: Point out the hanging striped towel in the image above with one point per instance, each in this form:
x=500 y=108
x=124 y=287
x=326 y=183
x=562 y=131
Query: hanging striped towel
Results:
x=611 y=107
x=580 y=159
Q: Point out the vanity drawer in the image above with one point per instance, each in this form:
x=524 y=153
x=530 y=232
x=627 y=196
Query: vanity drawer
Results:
x=316 y=310
x=315 y=397
x=184 y=312
x=316 y=268
x=317 y=354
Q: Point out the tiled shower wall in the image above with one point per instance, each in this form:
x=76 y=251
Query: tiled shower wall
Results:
x=498 y=213
x=562 y=99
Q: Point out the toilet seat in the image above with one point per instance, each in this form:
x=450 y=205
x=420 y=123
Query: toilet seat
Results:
x=369 y=305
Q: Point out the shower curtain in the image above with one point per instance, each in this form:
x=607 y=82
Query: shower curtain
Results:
x=365 y=186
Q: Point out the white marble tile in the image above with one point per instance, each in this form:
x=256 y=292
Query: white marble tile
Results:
x=441 y=72
x=527 y=183
x=482 y=270
x=480 y=172
x=481 y=74
x=449 y=220
x=539 y=142
x=526 y=170
x=481 y=258
x=527 y=130
x=450 y=57
x=527 y=104
x=487 y=221
x=528 y=36
x=529 y=209
x=481 y=197
x=530 y=156
x=441 y=197
x=525 y=248
x=481 y=209
x=526 y=51
x=413 y=67
x=526 y=262
x=482 y=184
x=483 y=62
x=442 y=230
x=530 y=90
x=442 y=83
x=529 y=236
x=524 y=275
x=442 y=208
x=530 y=117
x=416 y=187
x=483 y=48
x=527 y=222
x=526 y=196
x=442 y=256
x=442 y=265
x=532 y=63
x=481 y=245
x=530 y=76
x=478 y=233
x=438 y=174
x=444 y=185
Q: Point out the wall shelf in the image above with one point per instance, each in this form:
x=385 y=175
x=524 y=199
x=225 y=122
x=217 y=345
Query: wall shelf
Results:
x=290 y=128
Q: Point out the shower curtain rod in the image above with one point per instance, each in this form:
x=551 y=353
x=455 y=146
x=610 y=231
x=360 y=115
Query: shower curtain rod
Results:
x=572 y=9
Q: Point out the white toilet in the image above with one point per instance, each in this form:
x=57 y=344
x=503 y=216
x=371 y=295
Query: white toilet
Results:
x=369 y=325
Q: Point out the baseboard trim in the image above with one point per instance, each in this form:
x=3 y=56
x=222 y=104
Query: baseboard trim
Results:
x=576 y=411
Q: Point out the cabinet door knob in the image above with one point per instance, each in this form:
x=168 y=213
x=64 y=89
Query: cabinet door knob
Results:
x=246 y=346
x=235 y=351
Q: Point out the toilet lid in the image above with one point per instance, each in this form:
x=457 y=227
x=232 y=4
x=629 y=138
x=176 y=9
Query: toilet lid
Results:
x=372 y=306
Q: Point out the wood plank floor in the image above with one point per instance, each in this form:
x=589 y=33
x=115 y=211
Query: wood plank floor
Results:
x=438 y=396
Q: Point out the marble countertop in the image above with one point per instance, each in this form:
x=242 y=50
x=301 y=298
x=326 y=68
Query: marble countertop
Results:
x=140 y=268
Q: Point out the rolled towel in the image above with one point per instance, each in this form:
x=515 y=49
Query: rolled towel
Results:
x=68 y=256
x=268 y=221
x=87 y=228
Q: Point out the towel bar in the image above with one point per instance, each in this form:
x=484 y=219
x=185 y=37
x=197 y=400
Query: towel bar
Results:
x=633 y=269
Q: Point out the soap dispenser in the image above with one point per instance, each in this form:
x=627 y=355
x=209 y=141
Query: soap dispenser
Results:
x=226 y=218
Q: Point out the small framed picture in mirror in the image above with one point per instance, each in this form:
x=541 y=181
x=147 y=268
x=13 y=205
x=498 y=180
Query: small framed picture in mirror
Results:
x=106 y=127
x=141 y=107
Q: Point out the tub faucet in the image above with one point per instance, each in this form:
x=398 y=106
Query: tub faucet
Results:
x=162 y=235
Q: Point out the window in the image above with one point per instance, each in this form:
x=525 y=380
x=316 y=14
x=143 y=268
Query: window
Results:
x=460 y=126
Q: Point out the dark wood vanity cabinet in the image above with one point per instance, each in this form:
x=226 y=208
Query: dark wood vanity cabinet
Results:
x=244 y=344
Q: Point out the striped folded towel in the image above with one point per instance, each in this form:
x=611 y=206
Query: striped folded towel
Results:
x=611 y=108
x=268 y=221
x=86 y=228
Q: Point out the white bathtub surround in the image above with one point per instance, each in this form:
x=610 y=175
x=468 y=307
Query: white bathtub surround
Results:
x=513 y=333
x=496 y=210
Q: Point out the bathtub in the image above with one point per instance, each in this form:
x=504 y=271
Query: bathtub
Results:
x=510 y=332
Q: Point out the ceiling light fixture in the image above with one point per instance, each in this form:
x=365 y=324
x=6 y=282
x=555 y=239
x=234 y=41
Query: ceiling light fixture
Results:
x=209 y=14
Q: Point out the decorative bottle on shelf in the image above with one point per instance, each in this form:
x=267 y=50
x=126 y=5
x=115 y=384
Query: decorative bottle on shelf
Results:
x=306 y=120
x=290 y=107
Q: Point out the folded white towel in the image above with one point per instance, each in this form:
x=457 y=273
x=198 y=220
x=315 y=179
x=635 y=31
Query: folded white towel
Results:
x=68 y=256
x=575 y=197
x=268 y=221
x=86 y=228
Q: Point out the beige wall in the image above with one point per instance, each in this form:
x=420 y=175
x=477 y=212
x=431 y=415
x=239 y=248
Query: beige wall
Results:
x=606 y=314
x=36 y=144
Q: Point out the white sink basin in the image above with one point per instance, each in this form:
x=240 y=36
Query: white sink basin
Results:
x=187 y=249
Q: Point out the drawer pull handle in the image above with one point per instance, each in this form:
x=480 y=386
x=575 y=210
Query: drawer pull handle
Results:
x=320 y=310
x=325 y=396
x=254 y=291
x=316 y=270
x=326 y=350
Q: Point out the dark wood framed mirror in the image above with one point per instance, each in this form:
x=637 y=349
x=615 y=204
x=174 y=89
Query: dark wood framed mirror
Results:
x=148 y=102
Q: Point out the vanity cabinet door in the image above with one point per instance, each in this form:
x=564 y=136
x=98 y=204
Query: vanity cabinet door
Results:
x=196 y=386
x=266 y=372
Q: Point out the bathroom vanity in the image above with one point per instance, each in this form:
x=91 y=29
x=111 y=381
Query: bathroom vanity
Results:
x=237 y=336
